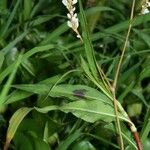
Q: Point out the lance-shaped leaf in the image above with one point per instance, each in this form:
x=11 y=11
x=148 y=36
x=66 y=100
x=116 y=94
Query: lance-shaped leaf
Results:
x=14 y=123
x=73 y=92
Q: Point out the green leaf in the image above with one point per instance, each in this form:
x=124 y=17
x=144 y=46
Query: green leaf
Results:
x=137 y=91
x=87 y=69
x=89 y=111
x=91 y=102
x=23 y=140
x=7 y=86
x=1 y=59
x=28 y=66
x=79 y=92
x=97 y=9
x=92 y=111
x=145 y=37
x=134 y=109
x=128 y=73
x=47 y=109
x=127 y=135
x=46 y=133
x=34 y=88
x=69 y=140
x=146 y=144
x=17 y=95
x=27 y=9
x=98 y=83
x=74 y=92
x=126 y=90
x=145 y=72
x=84 y=145
x=146 y=131
x=6 y=49
x=14 y=123
x=6 y=72
x=55 y=34
x=40 y=145
x=146 y=126
x=42 y=19
x=37 y=50
x=87 y=43
x=9 y=20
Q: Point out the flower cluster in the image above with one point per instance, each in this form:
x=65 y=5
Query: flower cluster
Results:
x=145 y=7
x=73 y=21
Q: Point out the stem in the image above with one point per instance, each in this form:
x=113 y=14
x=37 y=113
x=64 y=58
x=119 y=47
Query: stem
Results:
x=116 y=78
x=117 y=120
x=124 y=47
x=138 y=140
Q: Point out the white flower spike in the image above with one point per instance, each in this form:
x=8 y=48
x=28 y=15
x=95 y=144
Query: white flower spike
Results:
x=145 y=11
x=65 y=2
x=145 y=8
x=74 y=2
x=73 y=21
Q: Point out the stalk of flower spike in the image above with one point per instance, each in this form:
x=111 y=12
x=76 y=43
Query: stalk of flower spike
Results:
x=73 y=21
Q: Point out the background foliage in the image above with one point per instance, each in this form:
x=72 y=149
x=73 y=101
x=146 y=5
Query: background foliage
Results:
x=43 y=71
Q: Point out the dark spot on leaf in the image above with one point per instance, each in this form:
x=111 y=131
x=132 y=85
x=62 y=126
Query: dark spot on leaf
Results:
x=79 y=93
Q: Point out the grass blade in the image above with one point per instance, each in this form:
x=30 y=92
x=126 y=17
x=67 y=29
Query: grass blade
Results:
x=9 y=81
x=9 y=20
x=89 y=51
x=6 y=49
x=1 y=59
